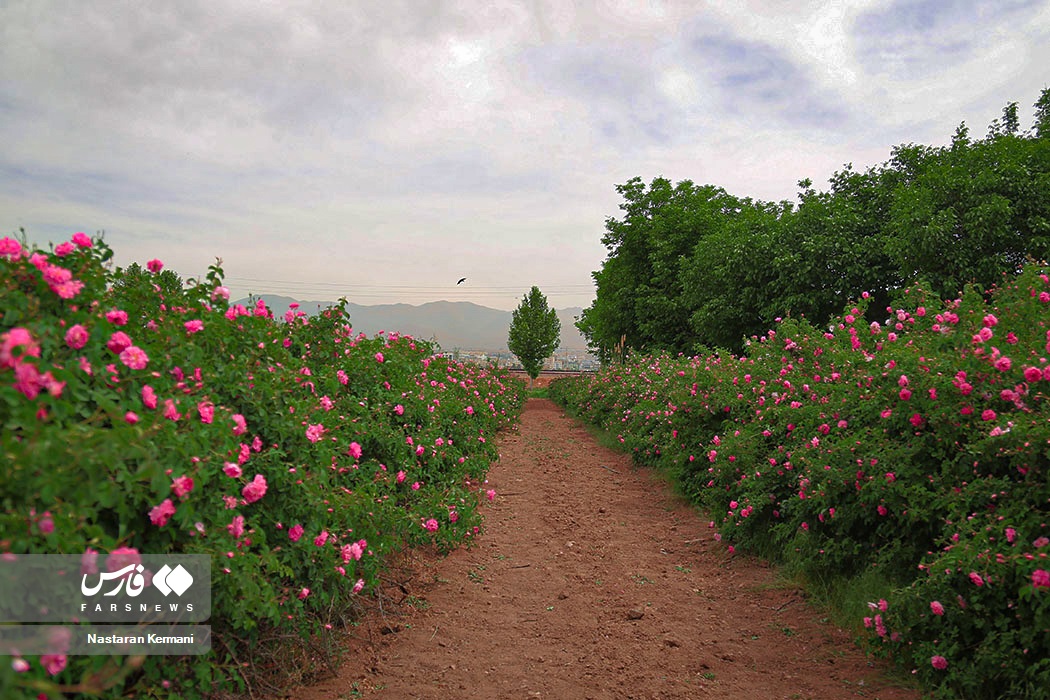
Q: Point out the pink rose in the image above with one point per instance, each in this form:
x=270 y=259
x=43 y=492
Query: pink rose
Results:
x=314 y=432
x=53 y=663
x=89 y=562
x=182 y=486
x=159 y=515
x=255 y=490
x=121 y=557
x=149 y=397
x=10 y=248
x=118 y=341
x=170 y=411
x=46 y=524
x=117 y=317
x=352 y=551
x=295 y=533
x=77 y=337
x=236 y=527
x=134 y=357
x=17 y=337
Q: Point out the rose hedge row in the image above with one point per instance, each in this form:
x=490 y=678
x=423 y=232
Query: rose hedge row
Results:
x=137 y=416
x=912 y=450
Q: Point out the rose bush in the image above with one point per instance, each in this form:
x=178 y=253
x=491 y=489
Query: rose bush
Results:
x=139 y=415
x=910 y=451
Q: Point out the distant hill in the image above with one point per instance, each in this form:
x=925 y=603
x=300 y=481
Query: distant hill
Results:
x=452 y=324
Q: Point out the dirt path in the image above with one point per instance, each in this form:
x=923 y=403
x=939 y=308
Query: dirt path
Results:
x=593 y=581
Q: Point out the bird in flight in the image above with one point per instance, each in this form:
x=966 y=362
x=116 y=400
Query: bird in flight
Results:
x=461 y=281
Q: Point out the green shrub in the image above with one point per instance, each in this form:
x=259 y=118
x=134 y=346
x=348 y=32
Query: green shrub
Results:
x=915 y=448
x=297 y=454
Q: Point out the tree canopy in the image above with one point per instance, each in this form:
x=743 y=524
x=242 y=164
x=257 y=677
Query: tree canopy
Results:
x=693 y=266
x=535 y=332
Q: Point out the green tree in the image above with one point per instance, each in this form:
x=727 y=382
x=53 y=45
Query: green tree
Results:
x=691 y=266
x=729 y=282
x=641 y=301
x=535 y=332
x=1042 y=115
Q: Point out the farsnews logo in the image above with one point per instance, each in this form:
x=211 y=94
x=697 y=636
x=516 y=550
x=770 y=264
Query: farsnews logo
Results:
x=125 y=586
x=169 y=580
x=132 y=580
x=166 y=580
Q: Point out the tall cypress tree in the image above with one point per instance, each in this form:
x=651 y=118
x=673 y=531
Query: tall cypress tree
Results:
x=535 y=332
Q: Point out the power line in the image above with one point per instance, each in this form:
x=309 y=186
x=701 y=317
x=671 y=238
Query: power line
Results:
x=301 y=288
x=565 y=288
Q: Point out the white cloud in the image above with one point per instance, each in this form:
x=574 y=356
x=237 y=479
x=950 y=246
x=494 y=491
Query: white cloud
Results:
x=397 y=144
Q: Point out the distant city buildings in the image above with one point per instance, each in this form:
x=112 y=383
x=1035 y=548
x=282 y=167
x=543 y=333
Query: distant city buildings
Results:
x=567 y=360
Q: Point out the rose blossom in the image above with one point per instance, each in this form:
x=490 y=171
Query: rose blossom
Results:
x=255 y=490
x=121 y=557
x=77 y=337
x=159 y=515
x=117 y=317
x=118 y=341
x=236 y=527
x=149 y=397
x=182 y=486
x=134 y=357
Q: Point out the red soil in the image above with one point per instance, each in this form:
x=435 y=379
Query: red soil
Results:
x=592 y=580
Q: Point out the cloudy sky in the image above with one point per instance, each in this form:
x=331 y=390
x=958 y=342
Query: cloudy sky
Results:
x=383 y=150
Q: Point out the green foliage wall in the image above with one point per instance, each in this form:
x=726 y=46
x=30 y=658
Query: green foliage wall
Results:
x=692 y=266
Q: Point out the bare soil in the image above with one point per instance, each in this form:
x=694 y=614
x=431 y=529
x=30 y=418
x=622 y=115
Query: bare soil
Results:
x=593 y=580
x=544 y=379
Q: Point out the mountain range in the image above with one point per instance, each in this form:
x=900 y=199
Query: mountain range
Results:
x=454 y=325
